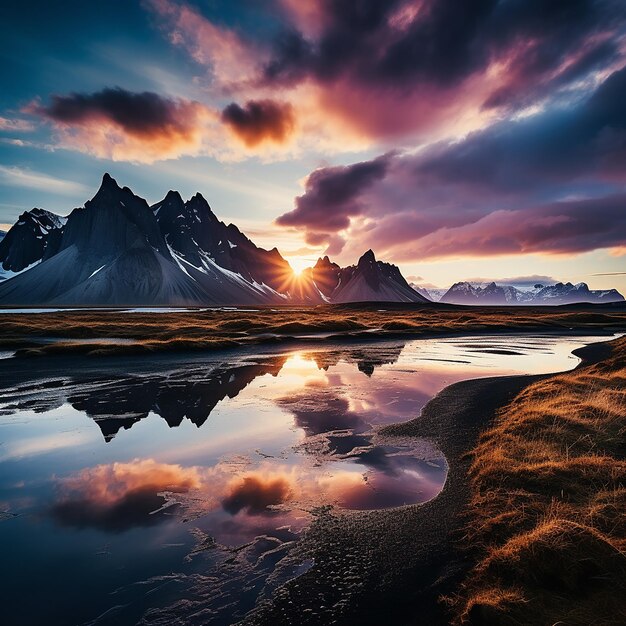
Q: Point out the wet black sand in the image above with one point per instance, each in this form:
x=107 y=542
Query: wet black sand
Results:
x=392 y=566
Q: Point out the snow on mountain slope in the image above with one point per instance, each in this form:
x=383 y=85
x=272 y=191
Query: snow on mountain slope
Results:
x=195 y=234
x=434 y=294
x=560 y=293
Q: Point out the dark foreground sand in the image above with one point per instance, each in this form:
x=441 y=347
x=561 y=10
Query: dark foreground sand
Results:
x=392 y=566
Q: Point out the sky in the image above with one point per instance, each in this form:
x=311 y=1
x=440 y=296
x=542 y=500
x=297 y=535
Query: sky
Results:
x=483 y=139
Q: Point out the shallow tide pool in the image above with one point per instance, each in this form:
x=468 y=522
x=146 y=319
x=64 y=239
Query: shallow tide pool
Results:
x=125 y=490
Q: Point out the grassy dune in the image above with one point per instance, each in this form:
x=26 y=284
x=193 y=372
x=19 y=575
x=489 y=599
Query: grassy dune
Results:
x=547 y=513
x=203 y=330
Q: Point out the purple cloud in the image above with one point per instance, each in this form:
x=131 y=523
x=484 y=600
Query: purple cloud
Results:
x=552 y=182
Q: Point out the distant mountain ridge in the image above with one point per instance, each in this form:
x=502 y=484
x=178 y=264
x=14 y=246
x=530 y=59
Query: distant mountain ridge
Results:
x=119 y=251
x=559 y=293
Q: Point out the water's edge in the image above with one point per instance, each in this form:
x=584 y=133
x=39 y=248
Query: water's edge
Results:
x=411 y=556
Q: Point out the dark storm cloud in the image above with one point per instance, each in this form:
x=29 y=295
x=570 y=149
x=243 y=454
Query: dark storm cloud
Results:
x=406 y=45
x=260 y=120
x=588 y=141
x=504 y=189
x=140 y=114
x=123 y=125
x=333 y=195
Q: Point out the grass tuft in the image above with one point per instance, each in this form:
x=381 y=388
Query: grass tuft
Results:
x=547 y=514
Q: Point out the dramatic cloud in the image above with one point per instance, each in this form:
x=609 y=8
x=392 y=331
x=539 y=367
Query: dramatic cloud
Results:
x=375 y=61
x=122 y=125
x=562 y=227
x=332 y=197
x=406 y=68
x=551 y=182
x=260 y=120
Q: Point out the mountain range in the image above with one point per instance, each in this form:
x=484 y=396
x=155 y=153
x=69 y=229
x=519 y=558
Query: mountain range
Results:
x=119 y=251
x=494 y=294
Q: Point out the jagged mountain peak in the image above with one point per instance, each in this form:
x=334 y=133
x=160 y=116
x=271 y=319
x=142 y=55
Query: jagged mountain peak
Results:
x=368 y=280
x=367 y=258
x=558 y=293
x=198 y=198
x=110 y=187
x=173 y=196
x=325 y=263
x=111 y=196
x=108 y=180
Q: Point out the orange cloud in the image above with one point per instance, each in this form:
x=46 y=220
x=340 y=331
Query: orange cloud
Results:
x=123 y=125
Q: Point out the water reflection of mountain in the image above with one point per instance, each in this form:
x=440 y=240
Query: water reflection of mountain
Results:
x=367 y=359
x=184 y=394
x=118 y=402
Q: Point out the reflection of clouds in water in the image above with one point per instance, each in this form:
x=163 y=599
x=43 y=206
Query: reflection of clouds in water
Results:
x=394 y=479
x=254 y=494
x=120 y=496
x=320 y=410
x=378 y=476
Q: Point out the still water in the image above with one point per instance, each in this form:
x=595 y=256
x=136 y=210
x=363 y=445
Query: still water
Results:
x=178 y=486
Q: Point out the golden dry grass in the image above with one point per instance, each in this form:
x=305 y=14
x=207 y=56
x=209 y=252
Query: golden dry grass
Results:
x=547 y=514
x=214 y=329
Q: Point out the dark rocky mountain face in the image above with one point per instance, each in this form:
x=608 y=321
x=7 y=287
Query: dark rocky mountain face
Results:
x=36 y=233
x=112 y=222
x=324 y=274
x=193 y=232
x=112 y=253
x=368 y=280
x=119 y=251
